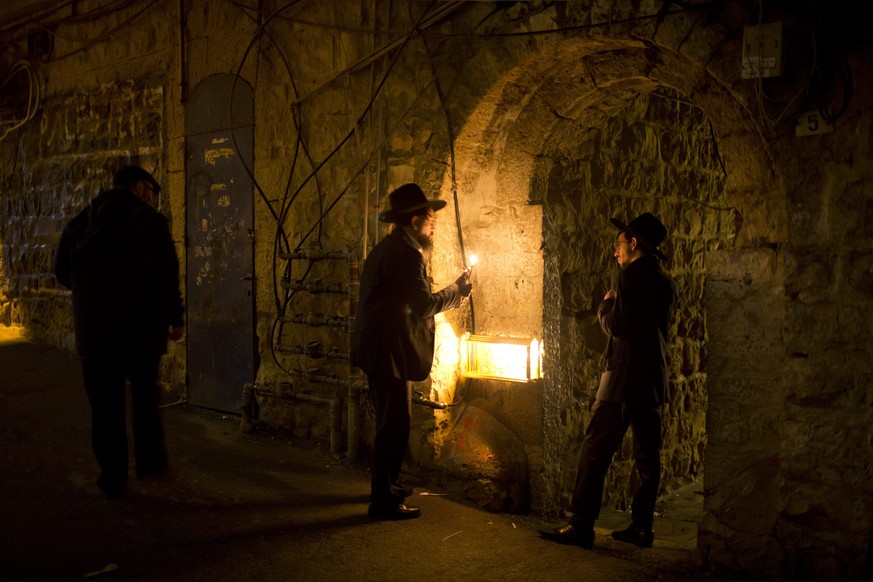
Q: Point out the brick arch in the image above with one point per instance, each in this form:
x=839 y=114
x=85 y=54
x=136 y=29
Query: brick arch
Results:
x=498 y=175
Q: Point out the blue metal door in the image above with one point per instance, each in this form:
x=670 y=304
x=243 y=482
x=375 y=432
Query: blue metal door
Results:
x=220 y=283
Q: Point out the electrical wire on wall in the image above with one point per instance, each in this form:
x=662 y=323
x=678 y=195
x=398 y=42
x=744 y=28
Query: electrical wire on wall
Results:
x=22 y=68
x=280 y=208
x=281 y=239
x=282 y=242
x=324 y=212
x=25 y=29
x=95 y=15
x=416 y=30
x=834 y=84
x=443 y=97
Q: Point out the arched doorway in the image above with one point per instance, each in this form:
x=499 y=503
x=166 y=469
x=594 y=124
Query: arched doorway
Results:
x=587 y=130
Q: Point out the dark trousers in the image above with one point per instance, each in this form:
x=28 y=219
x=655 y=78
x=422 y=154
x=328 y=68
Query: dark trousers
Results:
x=105 y=384
x=392 y=399
x=603 y=435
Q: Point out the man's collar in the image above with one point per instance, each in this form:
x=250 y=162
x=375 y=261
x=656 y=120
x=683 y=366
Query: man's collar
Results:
x=642 y=260
x=415 y=244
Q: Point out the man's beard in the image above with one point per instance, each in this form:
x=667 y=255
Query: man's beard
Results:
x=425 y=241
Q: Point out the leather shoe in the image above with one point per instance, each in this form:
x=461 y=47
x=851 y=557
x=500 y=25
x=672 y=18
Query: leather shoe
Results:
x=393 y=512
x=637 y=536
x=571 y=534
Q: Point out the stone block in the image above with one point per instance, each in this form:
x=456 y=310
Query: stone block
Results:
x=485 y=462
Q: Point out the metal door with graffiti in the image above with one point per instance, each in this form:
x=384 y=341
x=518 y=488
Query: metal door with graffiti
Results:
x=220 y=285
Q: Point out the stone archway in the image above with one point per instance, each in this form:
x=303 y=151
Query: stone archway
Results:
x=505 y=157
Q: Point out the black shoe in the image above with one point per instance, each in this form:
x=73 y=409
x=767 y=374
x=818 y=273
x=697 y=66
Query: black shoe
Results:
x=571 y=534
x=395 y=512
x=637 y=536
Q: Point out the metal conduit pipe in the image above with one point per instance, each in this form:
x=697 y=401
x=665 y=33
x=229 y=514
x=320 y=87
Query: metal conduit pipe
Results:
x=356 y=380
x=285 y=391
x=313 y=255
x=316 y=351
x=316 y=377
x=316 y=319
x=315 y=287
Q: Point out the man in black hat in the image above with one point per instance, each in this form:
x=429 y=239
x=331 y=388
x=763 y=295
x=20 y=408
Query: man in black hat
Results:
x=394 y=337
x=633 y=385
x=118 y=258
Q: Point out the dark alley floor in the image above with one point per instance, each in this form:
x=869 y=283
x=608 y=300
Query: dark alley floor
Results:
x=261 y=507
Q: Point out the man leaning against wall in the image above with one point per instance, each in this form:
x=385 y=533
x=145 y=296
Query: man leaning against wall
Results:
x=633 y=387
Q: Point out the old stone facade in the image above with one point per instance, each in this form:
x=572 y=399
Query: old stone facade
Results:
x=278 y=129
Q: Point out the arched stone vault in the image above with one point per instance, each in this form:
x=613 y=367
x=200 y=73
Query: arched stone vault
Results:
x=501 y=180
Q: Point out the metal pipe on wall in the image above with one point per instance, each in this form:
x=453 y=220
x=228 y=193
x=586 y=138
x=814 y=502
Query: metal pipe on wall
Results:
x=183 y=56
x=353 y=435
x=286 y=391
x=355 y=382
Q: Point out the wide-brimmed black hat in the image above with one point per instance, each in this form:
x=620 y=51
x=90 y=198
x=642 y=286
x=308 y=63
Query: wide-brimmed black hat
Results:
x=406 y=200
x=648 y=231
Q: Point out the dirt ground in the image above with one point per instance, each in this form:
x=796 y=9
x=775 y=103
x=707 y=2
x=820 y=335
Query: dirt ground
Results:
x=261 y=507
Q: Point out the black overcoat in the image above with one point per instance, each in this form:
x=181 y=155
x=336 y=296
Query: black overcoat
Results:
x=118 y=258
x=394 y=327
x=637 y=322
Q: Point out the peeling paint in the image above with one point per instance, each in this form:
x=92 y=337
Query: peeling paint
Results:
x=206 y=274
x=211 y=157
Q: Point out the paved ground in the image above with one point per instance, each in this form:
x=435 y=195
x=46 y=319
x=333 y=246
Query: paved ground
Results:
x=260 y=507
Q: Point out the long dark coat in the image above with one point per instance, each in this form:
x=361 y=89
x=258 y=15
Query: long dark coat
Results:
x=118 y=258
x=394 y=326
x=637 y=323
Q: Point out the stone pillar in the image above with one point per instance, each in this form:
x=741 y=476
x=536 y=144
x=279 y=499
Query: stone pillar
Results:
x=744 y=301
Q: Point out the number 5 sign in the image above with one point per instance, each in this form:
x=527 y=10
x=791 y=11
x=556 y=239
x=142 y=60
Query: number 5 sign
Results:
x=812 y=123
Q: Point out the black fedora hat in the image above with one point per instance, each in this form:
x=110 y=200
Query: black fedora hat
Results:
x=648 y=231
x=406 y=200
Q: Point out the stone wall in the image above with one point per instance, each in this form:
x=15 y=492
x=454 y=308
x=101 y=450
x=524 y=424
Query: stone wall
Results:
x=59 y=166
x=536 y=122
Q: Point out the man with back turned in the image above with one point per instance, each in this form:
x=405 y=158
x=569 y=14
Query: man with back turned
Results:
x=118 y=258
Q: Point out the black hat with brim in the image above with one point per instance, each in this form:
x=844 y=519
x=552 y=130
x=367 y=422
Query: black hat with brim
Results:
x=648 y=230
x=408 y=199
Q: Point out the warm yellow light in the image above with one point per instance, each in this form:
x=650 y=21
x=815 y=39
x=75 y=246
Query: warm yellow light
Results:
x=502 y=358
x=473 y=260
